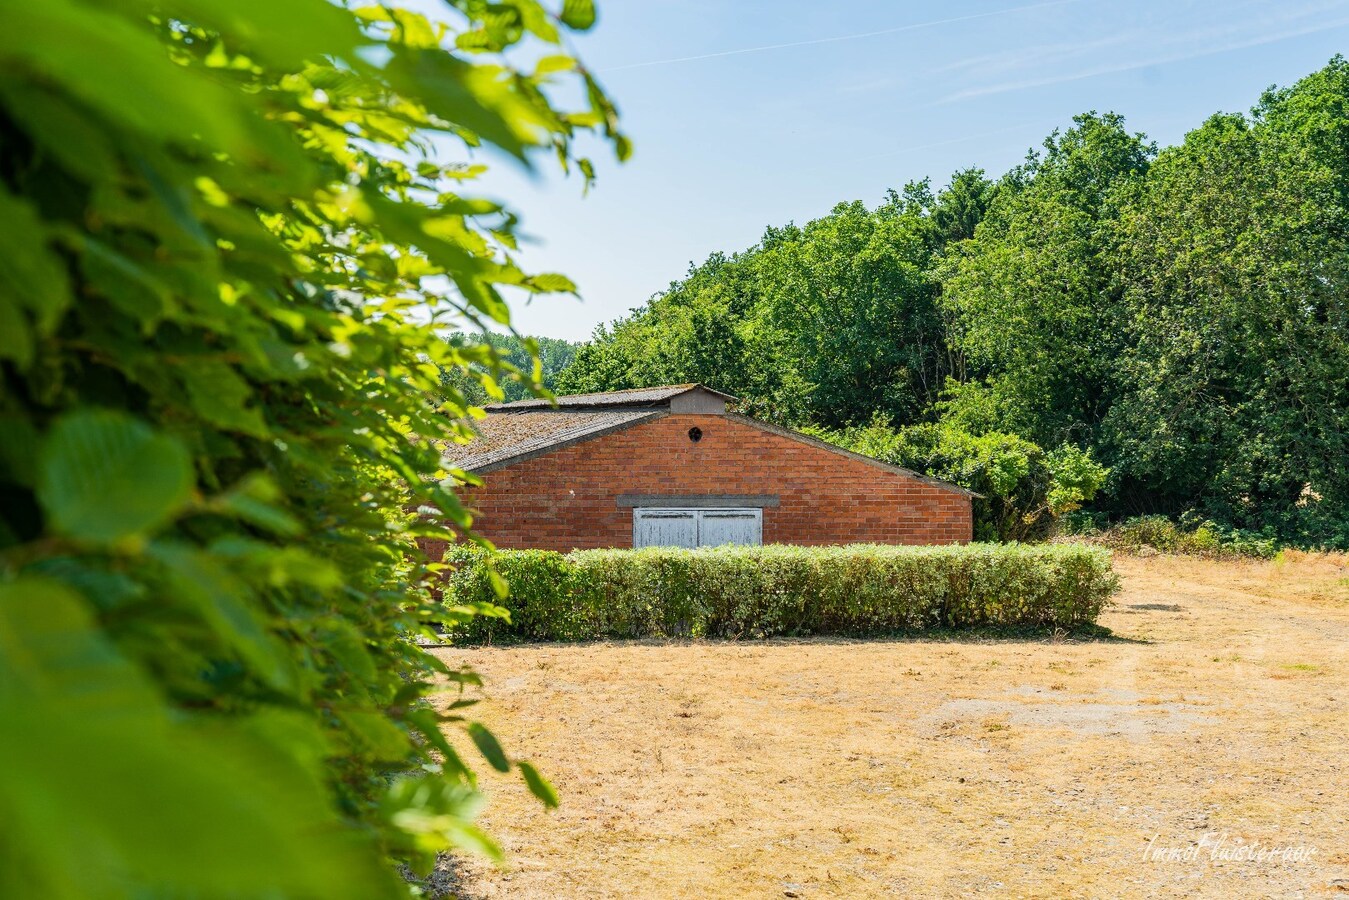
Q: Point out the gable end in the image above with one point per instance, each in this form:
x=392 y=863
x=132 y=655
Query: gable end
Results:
x=832 y=448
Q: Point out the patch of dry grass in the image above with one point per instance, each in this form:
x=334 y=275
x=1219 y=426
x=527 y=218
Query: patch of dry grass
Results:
x=829 y=768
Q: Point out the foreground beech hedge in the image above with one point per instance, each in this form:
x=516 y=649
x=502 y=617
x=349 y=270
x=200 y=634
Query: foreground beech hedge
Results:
x=779 y=590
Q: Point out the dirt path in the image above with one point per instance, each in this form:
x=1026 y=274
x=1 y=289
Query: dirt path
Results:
x=931 y=769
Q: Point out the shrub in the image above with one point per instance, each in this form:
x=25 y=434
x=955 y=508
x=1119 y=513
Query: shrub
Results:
x=1159 y=534
x=233 y=234
x=1023 y=488
x=737 y=592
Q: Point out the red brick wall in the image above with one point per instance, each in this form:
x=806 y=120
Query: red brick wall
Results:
x=566 y=499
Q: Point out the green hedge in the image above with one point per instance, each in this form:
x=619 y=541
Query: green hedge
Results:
x=779 y=590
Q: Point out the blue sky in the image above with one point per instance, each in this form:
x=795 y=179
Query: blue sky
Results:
x=746 y=114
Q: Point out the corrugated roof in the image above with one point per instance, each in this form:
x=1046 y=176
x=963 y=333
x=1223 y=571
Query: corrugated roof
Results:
x=652 y=396
x=511 y=436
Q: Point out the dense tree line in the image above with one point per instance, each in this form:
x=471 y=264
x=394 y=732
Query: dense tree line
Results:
x=1176 y=318
x=507 y=366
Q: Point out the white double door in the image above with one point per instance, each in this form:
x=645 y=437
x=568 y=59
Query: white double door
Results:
x=669 y=527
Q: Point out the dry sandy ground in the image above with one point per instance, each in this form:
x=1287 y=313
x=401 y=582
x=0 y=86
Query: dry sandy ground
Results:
x=923 y=768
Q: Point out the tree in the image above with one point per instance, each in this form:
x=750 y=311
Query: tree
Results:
x=516 y=367
x=1180 y=316
x=1022 y=489
x=954 y=213
x=827 y=322
x=691 y=332
x=1031 y=296
x=1234 y=387
x=221 y=225
x=847 y=309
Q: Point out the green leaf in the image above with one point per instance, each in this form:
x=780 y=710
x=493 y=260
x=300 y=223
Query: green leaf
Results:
x=549 y=65
x=127 y=285
x=429 y=725
x=295 y=30
x=49 y=647
x=254 y=500
x=466 y=95
x=578 y=14
x=463 y=612
x=472 y=838
x=380 y=739
x=217 y=594
x=118 y=798
x=499 y=586
x=349 y=649
x=120 y=71
x=32 y=277
x=106 y=476
x=550 y=282
x=488 y=745
x=539 y=786
x=63 y=129
x=220 y=395
x=436 y=813
x=16 y=338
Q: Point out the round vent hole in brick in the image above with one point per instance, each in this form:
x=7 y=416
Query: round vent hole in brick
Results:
x=695 y=434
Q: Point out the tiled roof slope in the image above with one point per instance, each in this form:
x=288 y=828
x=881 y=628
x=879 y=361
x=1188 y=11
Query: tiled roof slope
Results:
x=652 y=396
x=503 y=437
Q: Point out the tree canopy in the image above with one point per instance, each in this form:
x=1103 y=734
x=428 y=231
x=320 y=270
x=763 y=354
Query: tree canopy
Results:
x=518 y=366
x=1178 y=315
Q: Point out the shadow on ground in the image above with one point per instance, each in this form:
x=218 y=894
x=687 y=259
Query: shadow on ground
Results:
x=979 y=635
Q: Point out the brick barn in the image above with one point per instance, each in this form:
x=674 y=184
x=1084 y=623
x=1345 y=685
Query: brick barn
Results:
x=672 y=466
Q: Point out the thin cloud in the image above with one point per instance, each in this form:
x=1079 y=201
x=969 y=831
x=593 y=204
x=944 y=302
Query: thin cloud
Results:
x=1157 y=59
x=1013 y=59
x=947 y=143
x=843 y=37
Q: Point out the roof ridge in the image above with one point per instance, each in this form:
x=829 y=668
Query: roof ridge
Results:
x=644 y=397
x=687 y=385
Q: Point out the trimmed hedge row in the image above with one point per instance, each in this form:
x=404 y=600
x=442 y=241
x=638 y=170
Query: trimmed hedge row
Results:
x=736 y=592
